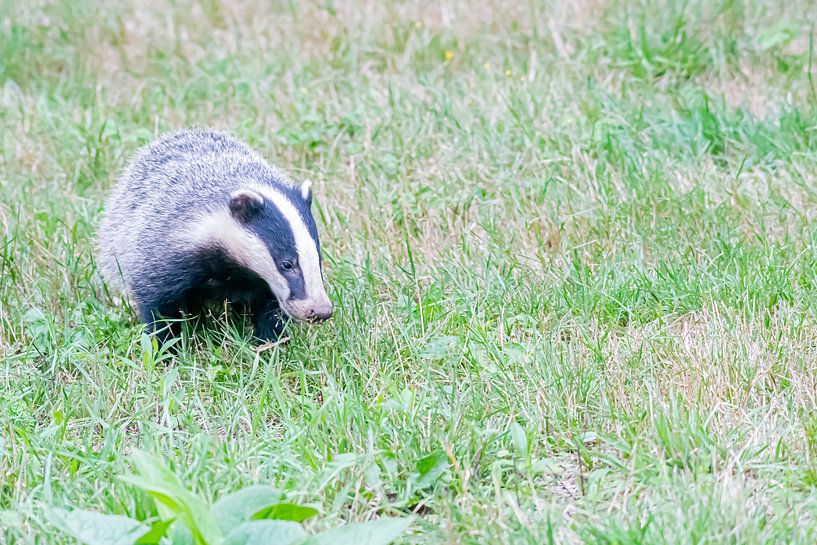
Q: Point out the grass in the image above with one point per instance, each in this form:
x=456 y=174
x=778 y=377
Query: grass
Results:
x=571 y=244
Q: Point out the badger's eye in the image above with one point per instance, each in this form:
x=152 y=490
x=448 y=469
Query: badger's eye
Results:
x=286 y=265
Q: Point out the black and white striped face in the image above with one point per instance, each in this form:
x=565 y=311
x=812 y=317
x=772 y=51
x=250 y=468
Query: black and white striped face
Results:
x=272 y=232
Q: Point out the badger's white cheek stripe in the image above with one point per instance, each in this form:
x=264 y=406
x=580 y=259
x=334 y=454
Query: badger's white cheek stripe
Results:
x=246 y=248
x=307 y=248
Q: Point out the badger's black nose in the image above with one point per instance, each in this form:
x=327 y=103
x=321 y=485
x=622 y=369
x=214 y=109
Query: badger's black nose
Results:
x=320 y=313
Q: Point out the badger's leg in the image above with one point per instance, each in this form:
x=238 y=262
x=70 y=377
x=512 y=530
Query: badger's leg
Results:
x=268 y=320
x=154 y=313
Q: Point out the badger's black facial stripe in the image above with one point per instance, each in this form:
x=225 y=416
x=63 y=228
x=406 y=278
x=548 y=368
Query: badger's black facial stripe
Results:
x=306 y=216
x=272 y=227
x=297 y=287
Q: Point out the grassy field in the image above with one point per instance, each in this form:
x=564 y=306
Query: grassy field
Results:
x=571 y=247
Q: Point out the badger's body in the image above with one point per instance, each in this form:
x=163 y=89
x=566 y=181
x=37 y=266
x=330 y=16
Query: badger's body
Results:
x=197 y=217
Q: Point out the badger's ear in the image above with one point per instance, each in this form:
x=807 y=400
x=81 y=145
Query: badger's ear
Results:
x=306 y=192
x=245 y=203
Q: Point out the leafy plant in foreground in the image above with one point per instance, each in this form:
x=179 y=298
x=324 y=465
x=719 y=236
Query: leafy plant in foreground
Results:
x=256 y=515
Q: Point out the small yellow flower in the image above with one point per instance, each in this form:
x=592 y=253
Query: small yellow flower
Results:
x=487 y=65
x=521 y=78
x=449 y=55
x=508 y=73
x=418 y=24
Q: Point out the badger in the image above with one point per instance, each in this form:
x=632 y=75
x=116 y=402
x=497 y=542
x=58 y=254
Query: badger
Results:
x=198 y=217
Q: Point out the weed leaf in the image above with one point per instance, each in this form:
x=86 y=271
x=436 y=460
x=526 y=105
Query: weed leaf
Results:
x=173 y=499
x=266 y=532
x=238 y=507
x=286 y=511
x=429 y=468
x=378 y=532
x=520 y=439
x=157 y=531
x=97 y=529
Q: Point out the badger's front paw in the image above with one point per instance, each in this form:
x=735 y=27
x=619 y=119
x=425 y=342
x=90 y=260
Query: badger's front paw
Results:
x=269 y=322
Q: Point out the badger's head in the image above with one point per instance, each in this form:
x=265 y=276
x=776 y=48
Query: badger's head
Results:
x=271 y=231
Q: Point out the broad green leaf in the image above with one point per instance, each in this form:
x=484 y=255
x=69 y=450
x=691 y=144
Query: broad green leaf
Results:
x=173 y=499
x=238 y=507
x=520 y=439
x=545 y=465
x=158 y=530
x=286 y=511
x=97 y=529
x=430 y=468
x=182 y=535
x=377 y=532
x=266 y=532
x=439 y=348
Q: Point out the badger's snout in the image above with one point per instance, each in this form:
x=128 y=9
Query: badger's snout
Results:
x=308 y=311
x=320 y=312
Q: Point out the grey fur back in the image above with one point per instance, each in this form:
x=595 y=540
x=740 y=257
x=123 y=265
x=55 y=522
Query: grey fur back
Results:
x=165 y=187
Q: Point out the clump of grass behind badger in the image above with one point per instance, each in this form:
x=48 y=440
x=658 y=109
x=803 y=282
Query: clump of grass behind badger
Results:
x=199 y=218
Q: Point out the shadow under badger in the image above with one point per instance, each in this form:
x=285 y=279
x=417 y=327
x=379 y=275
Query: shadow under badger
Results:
x=198 y=218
